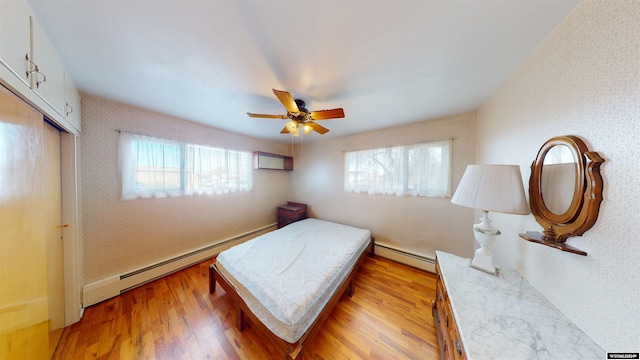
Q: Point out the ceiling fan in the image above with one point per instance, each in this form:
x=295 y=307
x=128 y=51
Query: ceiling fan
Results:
x=300 y=117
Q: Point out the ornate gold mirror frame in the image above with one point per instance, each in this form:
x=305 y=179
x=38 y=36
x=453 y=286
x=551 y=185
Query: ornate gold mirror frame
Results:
x=565 y=191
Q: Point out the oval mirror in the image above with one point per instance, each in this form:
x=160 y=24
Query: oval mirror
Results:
x=565 y=191
x=559 y=179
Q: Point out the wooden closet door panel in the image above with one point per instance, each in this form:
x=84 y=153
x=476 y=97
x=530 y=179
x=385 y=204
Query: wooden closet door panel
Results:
x=23 y=261
x=52 y=222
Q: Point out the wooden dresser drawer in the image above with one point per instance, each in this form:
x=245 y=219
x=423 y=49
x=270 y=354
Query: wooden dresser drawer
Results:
x=289 y=213
x=448 y=335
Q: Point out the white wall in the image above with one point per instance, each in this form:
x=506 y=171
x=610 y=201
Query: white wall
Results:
x=418 y=225
x=122 y=235
x=584 y=80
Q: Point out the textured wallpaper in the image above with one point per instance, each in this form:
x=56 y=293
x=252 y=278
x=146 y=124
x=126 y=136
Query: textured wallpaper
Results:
x=118 y=236
x=584 y=80
x=418 y=225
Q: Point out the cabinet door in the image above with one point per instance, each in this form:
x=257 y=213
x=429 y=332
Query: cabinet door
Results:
x=72 y=102
x=49 y=82
x=15 y=41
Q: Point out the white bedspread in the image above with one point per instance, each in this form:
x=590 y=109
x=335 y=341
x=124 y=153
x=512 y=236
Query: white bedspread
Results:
x=287 y=276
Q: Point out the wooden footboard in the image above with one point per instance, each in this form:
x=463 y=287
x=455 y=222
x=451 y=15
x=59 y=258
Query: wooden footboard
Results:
x=290 y=350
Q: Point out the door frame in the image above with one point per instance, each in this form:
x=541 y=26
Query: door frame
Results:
x=72 y=247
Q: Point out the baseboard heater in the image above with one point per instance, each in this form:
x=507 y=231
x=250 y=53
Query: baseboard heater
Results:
x=103 y=289
x=404 y=257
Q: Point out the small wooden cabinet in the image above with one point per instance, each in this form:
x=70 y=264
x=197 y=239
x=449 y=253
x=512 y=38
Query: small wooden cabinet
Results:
x=291 y=212
x=263 y=160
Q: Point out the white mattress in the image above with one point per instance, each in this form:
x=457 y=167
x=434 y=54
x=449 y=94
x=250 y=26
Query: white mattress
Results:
x=286 y=277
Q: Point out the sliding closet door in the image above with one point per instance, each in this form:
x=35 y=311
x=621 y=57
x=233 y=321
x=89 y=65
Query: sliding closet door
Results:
x=52 y=222
x=24 y=325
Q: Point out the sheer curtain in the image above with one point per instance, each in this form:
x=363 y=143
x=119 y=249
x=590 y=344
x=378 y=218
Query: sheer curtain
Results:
x=154 y=167
x=377 y=171
x=430 y=169
x=212 y=170
x=415 y=170
x=149 y=167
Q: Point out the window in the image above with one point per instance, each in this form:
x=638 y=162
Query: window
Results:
x=153 y=167
x=414 y=170
x=211 y=170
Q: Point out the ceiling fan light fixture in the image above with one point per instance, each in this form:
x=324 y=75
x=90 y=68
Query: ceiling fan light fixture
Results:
x=292 y=126
x=300 y=117
x=306 y=128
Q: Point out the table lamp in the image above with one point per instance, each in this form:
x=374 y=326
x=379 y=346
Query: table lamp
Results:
x=490 y=188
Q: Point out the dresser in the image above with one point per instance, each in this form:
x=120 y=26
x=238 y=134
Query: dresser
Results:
x=481 y=316
x=291 y=212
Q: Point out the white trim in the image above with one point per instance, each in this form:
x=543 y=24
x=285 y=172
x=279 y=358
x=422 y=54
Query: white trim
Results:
x=72 y=248
x=100 y=290
x=404 y=257
x=114 y=285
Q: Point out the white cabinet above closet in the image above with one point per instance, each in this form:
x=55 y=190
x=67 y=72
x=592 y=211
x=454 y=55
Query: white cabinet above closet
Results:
x=31 y=67
x=47 y=80
x=15 y=41
x=72 y=102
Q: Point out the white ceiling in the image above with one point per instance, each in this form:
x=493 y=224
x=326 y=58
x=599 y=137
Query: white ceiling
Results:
x=385 y=62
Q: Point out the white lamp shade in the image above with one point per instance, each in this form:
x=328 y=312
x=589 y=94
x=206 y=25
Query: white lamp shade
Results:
x=492 y=188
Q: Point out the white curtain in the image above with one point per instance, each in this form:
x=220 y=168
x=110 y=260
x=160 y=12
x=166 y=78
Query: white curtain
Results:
x=127 y=166
x=415 y=170
x=149 y=167
x=211 y=170
x=154 y=167
x=430 y=169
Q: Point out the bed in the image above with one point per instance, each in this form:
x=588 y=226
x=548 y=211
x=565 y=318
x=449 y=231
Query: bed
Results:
x=287 y=282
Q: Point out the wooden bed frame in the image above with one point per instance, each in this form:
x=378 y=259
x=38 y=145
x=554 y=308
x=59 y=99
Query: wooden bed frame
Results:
x=290 y=350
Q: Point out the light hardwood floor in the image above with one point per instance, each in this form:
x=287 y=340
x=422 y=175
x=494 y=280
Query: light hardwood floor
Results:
x=175 y=317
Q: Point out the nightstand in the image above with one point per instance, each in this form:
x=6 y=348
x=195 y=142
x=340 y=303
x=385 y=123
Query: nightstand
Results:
x=291 y=212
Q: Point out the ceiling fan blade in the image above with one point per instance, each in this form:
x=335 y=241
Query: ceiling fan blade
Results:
x=287 y=100
x=317 y=128
x=284 y=131
x=268 y=116
x=327 y=114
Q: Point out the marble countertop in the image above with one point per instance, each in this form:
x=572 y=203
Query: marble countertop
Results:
x=505 y=317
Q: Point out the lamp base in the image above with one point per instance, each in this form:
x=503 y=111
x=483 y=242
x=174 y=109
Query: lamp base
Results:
x=484 y=264
x=484 y=234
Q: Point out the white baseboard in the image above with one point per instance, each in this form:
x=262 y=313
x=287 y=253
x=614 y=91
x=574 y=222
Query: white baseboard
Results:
x=103 y=289
x=405 y=257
